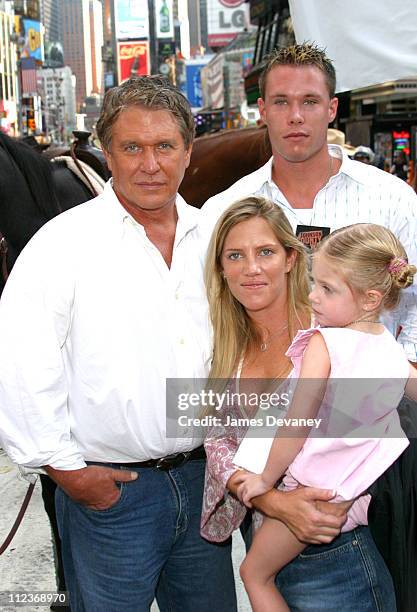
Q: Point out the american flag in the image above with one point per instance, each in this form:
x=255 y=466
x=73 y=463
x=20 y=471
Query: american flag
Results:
x=29 y=80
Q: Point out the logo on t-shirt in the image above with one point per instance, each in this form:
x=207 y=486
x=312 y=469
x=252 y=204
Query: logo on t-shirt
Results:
x=311 y=235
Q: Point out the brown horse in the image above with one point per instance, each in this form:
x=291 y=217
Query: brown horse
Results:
x=220 y=159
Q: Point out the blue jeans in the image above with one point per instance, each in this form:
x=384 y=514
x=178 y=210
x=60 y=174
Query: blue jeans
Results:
x=348 y=575
x=148 y=544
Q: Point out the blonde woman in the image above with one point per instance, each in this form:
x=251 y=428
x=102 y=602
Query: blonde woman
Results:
x=257 y=286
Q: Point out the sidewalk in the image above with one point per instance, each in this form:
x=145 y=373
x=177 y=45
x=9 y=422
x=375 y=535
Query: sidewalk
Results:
x=27 y=565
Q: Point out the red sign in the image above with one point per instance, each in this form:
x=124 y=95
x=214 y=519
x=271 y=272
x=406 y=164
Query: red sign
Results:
x=132 y=59
x=402 y=134
x=231 y=3
x=220 y=40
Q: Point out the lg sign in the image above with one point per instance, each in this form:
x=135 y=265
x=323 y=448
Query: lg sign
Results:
x=231 y=3
x=225 y=18
x=235 y=20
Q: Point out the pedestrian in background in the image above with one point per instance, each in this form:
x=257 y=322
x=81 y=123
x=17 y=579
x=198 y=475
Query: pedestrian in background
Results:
x=400 y=165
x=364 y=155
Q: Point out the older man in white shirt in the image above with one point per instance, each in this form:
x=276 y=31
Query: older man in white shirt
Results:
x=99 y=311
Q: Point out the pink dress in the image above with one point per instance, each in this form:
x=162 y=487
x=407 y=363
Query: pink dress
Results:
x=360 y=435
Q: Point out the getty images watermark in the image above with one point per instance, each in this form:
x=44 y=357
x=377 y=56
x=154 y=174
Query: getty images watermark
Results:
x=263 y=406
x=219 y=402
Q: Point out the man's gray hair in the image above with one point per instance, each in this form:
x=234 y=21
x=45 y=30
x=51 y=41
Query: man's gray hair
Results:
x=155 y=92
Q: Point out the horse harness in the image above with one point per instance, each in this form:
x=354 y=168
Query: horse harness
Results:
x=3 y=257
x=81 y=170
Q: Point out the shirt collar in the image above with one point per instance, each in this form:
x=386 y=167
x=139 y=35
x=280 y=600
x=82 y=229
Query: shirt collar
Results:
x=355 y=170
x=187 y=215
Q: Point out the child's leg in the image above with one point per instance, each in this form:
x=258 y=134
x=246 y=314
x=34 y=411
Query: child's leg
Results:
x=273 y=547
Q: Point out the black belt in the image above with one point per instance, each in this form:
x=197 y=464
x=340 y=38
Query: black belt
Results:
x=165 y=463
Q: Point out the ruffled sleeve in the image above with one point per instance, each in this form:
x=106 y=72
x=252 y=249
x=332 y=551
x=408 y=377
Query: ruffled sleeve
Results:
x=222 y=513
x=297 y=348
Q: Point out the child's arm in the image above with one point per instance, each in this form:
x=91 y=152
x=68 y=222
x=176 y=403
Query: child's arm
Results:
x=308 y=395
x=411 y=386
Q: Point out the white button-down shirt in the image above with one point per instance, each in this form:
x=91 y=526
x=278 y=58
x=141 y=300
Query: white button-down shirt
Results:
x=92 y=323
x=358 y=193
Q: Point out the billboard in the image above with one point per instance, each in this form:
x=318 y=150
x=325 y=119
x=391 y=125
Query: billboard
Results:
x=27 y=8
x=164 y=19
x=8 y=116
x=225 y=18
x=213 y=83
x=193 y=76
x=132 y=19
x=132 y=59
x=32 y=32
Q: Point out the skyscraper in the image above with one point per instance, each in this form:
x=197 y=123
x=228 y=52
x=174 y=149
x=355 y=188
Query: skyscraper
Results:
x=82 y=31
x=50 y=17
x=58 y=95
x=96 y=36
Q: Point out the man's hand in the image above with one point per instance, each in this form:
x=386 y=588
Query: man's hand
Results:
x=306 y=512
x=93 y=486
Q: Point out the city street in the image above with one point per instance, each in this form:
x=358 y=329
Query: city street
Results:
x=27 y=565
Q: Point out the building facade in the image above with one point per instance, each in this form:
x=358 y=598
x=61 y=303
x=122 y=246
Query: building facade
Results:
x=8 y=76
x=50 y=17
x=82 y=37
x=58 y=95
x=97 y=40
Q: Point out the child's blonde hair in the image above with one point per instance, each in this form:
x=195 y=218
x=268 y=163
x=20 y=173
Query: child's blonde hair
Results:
x=370 y=257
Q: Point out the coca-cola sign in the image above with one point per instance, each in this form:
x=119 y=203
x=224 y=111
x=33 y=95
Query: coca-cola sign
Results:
x=133 y=58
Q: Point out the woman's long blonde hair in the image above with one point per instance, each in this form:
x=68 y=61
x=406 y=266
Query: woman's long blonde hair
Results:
x=233 y=330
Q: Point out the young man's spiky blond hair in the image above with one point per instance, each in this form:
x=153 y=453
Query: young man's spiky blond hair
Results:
x=305 y=54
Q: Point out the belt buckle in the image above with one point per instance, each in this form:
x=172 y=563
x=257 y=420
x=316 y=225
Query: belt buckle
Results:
x=171 y=461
